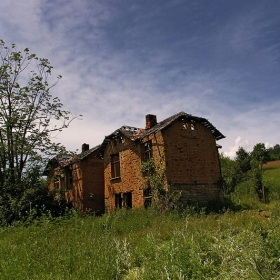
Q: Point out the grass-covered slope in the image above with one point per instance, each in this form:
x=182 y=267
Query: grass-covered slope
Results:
x=141 y=244
x=272 y=179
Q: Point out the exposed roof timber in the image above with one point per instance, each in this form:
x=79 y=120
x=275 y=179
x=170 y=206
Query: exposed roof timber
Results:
x=84 y=154
x=135 y=133
x=182 y=116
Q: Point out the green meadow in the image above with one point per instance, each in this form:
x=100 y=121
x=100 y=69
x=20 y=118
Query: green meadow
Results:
x=242 y=241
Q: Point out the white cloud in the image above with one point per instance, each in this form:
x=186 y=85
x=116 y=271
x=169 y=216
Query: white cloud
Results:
x=119 y=65
x=269 y=145
x=239 y=142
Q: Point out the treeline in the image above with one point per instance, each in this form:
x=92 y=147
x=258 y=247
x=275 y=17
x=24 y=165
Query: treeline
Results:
x=247 y=166
x=274 y=153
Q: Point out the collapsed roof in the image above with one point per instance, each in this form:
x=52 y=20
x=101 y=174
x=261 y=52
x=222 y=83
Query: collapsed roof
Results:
x=135 y=133
x=68 y=159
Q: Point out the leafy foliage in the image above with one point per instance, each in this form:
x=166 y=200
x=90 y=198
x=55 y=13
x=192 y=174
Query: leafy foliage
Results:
x=259 y=157
x=229 y=174
x=163 y=198
x=29 y=116
x=246 y=166
x=274 y=152
x=243 y=166
x=234 y=171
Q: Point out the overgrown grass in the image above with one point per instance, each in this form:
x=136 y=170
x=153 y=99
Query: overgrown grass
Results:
x=272 y=179
x=245 y=196
x=138 y=244
x=141 y=244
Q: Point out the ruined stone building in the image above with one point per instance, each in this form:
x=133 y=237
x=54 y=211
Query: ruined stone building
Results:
x=110 y=176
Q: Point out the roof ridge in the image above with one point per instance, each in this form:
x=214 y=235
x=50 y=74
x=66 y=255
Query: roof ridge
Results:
x=84 y=154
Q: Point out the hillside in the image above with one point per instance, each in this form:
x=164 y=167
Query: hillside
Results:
x=272 y=165
x=143 y=244
x=140 y=244
x=271 y=178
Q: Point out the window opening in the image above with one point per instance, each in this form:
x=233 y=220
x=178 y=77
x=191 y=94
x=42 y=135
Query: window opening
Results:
x=118 y=200
x=147 y=151
x=185 y=126
x=115 y=166
x=56 y=184
x=63 y=182
x=69 y=180
x=192 y=125
x=127 y=200
x=147 y=193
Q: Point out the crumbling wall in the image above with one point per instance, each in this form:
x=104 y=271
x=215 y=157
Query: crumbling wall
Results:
x=192 y=162
x=130 y=180
x=92 y=171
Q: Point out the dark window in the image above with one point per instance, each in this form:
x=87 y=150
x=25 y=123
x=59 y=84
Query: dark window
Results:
x=115 y=166
x=123 y=200
x=116 y=141
x=192 y=125
x=63 y=182
x=118 y=200
x=147 y=150
x=127 y=200
x=69 y=180
x=147 y=193
x=56 y=184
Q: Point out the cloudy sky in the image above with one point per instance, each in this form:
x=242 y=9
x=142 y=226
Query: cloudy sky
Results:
x=121 y=60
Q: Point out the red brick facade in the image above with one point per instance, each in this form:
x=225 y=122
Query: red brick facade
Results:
x=110 y=176
x=82 y=178
x=183 y=145
x=130 y=181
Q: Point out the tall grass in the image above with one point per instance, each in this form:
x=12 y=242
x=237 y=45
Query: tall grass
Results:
x=138 y=244
x=272 y=179
x=246 y=197
x=141 y=244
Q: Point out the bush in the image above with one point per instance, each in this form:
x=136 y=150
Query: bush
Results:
x=30 y=202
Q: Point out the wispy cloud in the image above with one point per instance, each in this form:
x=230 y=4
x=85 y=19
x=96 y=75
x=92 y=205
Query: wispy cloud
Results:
x=122 y=60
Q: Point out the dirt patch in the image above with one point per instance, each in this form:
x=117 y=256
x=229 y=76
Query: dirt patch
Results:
x=272 y=164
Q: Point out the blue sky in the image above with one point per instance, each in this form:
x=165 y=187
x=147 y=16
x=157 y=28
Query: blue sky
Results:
x=121 y=60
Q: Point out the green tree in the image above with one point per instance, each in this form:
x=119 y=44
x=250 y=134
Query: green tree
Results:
x=243 y=166
x=29 y=116
x=234 y=171
x=274 y=152
x=259 y=156
x=229 y=174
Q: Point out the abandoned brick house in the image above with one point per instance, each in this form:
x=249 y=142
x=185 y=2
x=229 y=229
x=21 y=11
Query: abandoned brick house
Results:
x=110 y=176
x=81 y=177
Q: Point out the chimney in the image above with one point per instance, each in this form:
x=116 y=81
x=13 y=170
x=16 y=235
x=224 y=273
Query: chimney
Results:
x=85 y=147
x=151 y=120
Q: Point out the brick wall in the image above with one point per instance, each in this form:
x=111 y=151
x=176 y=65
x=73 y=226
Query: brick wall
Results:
x=88 y=184
x=186 y=151
x=192 y=162
x=93 y=184
x=130 y=180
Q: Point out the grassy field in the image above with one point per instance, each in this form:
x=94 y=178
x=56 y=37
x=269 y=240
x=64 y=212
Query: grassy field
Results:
x=141 y=244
